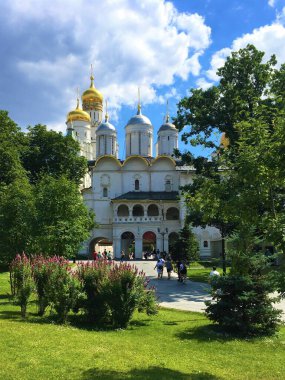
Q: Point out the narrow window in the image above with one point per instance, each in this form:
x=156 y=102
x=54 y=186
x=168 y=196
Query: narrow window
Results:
x=168 y=138
x=168 y=185
x=137 y=184
x=205 y=244
x=105 y=192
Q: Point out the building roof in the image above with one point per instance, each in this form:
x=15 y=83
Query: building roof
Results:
x=149 y=195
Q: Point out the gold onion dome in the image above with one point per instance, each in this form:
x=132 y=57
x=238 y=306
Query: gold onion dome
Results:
x=92 y=94
x=224 y=142
x=78 y=115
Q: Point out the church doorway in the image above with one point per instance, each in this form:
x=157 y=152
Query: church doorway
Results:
x=100 y=244
x=149 y=242
x=128 y=243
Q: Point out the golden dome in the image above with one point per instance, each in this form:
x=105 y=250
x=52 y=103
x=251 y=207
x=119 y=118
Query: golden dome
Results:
x=78 y=115
x=92 y=94
x=224 y=142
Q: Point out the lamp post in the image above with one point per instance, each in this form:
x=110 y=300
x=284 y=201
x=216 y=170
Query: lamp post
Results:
x=162 y=233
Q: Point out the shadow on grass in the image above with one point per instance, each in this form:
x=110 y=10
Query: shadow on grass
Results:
x=7 y=314
x=141 y=323
x=5 y=296
x=151 y=373
x=207 y=333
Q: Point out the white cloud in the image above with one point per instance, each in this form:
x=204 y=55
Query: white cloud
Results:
x=131 y=43
x=203 y=84
x=271 y=3
x=268 y=38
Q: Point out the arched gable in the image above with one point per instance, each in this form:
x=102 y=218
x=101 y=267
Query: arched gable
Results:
x=135 y=163
x=163 y=163
x=107 y=162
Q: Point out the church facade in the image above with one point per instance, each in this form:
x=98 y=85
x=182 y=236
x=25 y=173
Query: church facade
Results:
x=137 y=201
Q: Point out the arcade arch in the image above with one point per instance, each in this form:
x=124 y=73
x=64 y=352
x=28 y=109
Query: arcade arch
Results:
x=172 y=213
x=138 y=210
x=149 y=241
x=123 y=210
x=152 y=210
x=99 y=244
x=128 y=243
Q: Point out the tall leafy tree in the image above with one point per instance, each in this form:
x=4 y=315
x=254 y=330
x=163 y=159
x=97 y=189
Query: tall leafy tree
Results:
x=17 y=213
x=243 y=184
x=62 y=220
x=49 y=152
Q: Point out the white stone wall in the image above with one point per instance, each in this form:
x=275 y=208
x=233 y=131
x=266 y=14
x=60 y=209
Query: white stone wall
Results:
x=118 y=179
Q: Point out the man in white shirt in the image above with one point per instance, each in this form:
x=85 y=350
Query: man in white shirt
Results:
x=214 y=272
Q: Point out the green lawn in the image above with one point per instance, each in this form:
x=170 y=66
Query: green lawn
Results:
x=200 y=273
x=171 y=345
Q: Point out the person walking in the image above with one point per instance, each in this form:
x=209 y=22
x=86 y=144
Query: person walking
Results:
x=169 y=268
x=159 y=268
x=122 y=256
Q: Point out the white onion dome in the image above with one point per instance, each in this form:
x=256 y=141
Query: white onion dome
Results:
x=78 y=115
x=139 y=119
x=106 y=126
x=167 y=126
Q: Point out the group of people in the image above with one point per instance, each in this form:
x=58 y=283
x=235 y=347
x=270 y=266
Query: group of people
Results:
x=130 y=256
x=180 y=266
x=159 y=266
x=102 y=256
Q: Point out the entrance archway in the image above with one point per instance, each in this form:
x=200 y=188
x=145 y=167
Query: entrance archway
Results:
x=128 y=243
x=149 y=241
x=100 y=244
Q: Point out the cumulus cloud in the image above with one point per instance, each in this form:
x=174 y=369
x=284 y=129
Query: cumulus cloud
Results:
x=271 y=3
x=131 y=43
x=268 y=38
x=203 y=83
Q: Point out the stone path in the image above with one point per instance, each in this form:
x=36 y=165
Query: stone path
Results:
x=172 y=294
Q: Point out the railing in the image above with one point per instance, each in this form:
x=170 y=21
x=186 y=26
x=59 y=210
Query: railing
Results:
x=136 y=219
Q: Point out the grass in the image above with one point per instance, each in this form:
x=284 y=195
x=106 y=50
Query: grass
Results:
x=199 y=272
x=172 y=345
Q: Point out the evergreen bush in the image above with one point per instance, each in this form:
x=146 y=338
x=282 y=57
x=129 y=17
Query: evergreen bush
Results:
x=241 y=302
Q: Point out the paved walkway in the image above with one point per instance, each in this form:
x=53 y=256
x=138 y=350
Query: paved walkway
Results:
x=172 y=294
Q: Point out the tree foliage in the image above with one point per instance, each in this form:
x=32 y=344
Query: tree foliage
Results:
x=62 y=220
x=49 y=152
x=243 y=185
x=186 y=246
x=41 y=209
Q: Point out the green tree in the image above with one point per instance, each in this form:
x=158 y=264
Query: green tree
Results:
x=63 y=222
x=186 y=246
x=243 y=184
x=49 y=152
x=17 y=212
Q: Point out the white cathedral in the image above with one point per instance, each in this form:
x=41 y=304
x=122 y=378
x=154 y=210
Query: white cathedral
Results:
x=137 y=201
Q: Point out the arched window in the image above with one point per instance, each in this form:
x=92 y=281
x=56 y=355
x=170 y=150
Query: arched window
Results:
x=137 y=184
x=123 y=210
x=172 y=213
x=168 y=185
x=105 y=192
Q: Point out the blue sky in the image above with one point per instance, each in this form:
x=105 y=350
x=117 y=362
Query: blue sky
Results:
x=165 y=47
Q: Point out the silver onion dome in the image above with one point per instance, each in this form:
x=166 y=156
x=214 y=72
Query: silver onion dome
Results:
x=139 y=119
x=167 y=127
x=106 y=126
